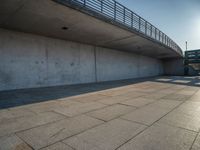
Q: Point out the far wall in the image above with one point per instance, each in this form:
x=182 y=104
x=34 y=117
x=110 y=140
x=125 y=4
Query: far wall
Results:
x=28 y=60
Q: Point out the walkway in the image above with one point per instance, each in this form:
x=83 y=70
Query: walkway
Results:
x=153 y=114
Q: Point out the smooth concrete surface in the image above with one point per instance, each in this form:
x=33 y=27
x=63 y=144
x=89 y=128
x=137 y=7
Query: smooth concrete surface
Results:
x=141 y=120
x=47 y=17
x=28 y=61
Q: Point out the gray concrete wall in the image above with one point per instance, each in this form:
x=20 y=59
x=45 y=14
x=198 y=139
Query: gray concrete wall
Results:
x=174 y=67
x=28 y=61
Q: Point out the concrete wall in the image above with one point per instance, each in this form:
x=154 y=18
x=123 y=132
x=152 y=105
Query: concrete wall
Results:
x=174 y=67
x=28 y=60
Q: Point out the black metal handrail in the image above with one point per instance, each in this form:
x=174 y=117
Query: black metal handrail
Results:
x=116 y=12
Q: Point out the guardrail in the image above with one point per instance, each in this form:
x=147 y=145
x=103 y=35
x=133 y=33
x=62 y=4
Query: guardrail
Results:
x=120 y=14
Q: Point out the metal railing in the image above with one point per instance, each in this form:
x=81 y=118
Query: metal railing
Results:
x=118 y=13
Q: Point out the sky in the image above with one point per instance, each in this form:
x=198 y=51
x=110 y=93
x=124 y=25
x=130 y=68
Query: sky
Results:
x=179 y=19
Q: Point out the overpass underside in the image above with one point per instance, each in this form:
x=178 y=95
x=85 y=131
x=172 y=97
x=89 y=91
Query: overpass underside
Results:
x=50 y=43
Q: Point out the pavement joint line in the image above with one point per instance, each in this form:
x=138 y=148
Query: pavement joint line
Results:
x=64 y=138
x=68 y=145
x=39 y=125
x=24 y=141
x=118 y=117
x=135 y=122
x=193 y=141
x=149 y=126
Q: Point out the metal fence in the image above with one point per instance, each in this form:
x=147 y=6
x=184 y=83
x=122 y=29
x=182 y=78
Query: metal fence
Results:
x=120 y=14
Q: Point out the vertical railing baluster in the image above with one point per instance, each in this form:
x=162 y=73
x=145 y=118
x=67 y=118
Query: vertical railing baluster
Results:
x=114 y=10
x=101 y=6
x=146 y=27
x=124 y=14
x=159 y=35
x=132 y=19
x=155 y=33
x=84 y=3
x=139 y=23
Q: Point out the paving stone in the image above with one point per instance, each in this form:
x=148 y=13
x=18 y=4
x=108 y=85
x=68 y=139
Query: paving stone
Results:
x=195 y=97
x=17 y=124
x=113 y=92
x=183 y=119
x=138 y=102
x=45 y=135
x=58 y=146
x=79 y=108
x=111 y=112
x=186 y=91
x=151 y=113
x=113 y=100
x=161 y=137
x=177 y=97
x=12 y=142
x=89 y=98
x=196 y=145
x=156 y=96
x=43 y=106
x=121 y=98
x=14 y=113
x=107 y=136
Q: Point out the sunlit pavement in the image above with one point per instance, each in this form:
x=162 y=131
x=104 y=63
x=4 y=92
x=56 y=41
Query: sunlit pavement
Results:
x=151 y=114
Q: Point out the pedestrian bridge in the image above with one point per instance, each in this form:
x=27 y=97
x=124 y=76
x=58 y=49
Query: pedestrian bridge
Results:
x=104 y=23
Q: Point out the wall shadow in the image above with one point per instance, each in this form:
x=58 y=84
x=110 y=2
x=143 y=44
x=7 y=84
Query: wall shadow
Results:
x=15 y=98
x=20 y=97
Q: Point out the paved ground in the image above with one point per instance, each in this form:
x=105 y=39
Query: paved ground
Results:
x=153 y=114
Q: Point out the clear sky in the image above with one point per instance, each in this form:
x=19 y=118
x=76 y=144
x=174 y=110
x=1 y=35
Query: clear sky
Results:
x=179 y=19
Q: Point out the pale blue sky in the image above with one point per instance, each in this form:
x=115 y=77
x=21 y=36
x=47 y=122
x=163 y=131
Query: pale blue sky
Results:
x=179 y=19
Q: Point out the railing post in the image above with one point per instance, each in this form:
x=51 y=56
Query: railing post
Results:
x=146 y=27
x=139 y=23
x=84 y=2
x=114 y=10
x=159 y=35
x=155 y=33
x=101 y=6
x=124 y=14
x=132 y=19
x=151 y=30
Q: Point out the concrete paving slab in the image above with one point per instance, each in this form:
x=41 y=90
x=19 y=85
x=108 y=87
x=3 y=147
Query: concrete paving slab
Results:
x=138 y=102
x=195 y=97
x=12 y=142
x=113 y=100
x=43 y=107
x=151 y=113
x=111 y=112
x=10 y=126
x=58 y=146
x=196 y=145
x=45 y=135
x=155 y=96
x=79 y=108
x=107 y=136
x=161 y=137
x=183 y=119
x=177 y=97
x=15 y=113
x=121 y=98
x=89 y=98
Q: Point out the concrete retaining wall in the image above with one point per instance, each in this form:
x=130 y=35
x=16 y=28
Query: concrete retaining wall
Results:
x=174 y=67
x=28 y=60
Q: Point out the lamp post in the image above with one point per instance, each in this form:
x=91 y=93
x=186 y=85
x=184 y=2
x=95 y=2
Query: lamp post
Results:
x=186 y=45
